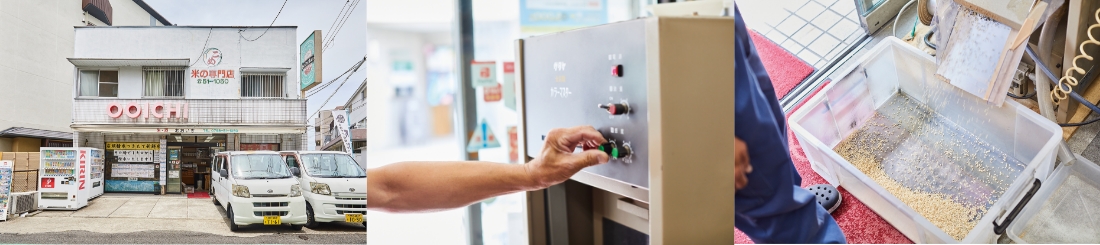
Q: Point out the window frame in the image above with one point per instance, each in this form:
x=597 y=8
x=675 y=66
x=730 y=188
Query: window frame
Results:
x=183 y=81
x=99 y=74
x=282 y=86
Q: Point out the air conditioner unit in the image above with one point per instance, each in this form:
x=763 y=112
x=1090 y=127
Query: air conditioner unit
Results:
x=23 y=202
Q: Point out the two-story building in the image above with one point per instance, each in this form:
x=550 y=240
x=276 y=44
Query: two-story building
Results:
x=189 y=91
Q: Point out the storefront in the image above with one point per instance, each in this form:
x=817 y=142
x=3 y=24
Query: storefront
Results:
x=162 y=118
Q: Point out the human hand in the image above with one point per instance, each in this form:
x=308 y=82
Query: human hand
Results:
x=741 y=165
x=557 y=162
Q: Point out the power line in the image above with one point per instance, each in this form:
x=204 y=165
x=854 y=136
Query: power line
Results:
x=338 y=16
x=339 y=24
x=340 y=27
x=354 y=68
x=268 y=26
x=204 y=45
x=322 y=107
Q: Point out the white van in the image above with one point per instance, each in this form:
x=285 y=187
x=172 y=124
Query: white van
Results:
x=257 y=187
x=335 y=186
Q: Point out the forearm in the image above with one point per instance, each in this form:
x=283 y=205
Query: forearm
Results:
x=434 y=186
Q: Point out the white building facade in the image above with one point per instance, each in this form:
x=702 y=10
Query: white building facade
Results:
x=38 y=37
x=188 y=92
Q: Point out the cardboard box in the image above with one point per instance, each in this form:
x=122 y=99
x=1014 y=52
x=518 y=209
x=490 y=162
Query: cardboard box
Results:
x=34 y=160
x=7 y=156
x=22 y=161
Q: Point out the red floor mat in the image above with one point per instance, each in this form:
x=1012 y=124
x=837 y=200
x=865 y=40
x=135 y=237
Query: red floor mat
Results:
x=198 y=195
x=859 y=223
x=785 y=69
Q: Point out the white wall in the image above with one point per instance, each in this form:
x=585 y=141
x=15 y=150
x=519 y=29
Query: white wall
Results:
x=128 y=13
x=38 y=36
x=36 y=77
x=275 y=49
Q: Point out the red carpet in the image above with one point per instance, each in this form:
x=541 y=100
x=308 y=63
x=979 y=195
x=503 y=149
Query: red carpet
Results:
x=785 y=69
x=198 y=195
x=859 y=223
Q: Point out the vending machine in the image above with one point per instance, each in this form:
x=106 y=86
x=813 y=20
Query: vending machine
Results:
x=95 y=173
x=64 y=180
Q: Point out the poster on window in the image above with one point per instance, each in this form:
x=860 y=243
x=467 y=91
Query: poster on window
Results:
x=134 y=155
x=5 y=187
x=259 y=147
x=123 y=170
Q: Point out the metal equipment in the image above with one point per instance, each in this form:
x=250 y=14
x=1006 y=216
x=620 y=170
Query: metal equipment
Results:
x=660 y=89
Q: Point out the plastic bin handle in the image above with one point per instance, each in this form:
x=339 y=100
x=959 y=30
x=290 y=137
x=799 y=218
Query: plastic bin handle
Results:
x=1000 y=229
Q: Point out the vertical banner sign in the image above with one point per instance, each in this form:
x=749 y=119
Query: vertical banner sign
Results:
x=163 y=164
x=340 y=118
x=83 y=163
x=509 y=88
x=311 y=61
x=483 y=74
x=5 y=188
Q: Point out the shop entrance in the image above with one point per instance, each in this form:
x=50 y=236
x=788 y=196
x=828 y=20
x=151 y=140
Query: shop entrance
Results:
x=189 y=158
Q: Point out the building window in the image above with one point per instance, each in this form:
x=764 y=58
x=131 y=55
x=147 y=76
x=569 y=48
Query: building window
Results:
x=163 y=81
x=262 y=85
x=98 y=83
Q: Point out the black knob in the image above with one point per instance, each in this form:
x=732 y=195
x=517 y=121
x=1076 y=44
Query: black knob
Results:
x=615 y=109
x=615 y=151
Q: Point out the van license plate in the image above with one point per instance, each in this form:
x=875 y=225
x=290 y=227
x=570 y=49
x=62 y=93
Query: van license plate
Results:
x=353 y=218
x=273 y=220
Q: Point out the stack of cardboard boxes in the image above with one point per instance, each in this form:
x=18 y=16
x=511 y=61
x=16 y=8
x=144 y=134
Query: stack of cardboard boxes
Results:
x=25 y=177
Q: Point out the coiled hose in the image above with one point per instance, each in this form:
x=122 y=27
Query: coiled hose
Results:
x=1062 y=90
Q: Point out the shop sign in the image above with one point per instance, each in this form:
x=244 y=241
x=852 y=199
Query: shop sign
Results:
x=310 y=53
x=157 y=109
x=133 y=155
x=341 y=120
x=212 y=76
x=83 y=162
x=133 y=146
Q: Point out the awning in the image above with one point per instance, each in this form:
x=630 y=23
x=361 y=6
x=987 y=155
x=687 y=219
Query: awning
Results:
x=36 y=133
x=190 y=129
x=86 y=62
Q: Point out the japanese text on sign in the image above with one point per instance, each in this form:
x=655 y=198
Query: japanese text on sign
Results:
x=212 y=74
x=133 y=146
x=134 y=155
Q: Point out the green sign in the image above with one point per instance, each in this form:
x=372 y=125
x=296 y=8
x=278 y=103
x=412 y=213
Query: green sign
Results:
x=311 y=61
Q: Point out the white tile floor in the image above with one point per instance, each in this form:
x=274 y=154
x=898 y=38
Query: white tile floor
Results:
x=814 y=30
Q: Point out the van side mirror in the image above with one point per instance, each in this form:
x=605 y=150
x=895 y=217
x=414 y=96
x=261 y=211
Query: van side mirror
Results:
x=295 y=171
x=224 y=173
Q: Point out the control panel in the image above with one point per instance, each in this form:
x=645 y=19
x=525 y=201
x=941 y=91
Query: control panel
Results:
x=593 y=76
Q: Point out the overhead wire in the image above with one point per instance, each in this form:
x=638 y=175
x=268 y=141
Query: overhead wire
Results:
x=268 y=26
x=204 y=46
x=322 y=107
x=339 y=27
x=353 y=68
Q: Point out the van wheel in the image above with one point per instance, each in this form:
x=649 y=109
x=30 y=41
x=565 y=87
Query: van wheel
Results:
x=311 y=222
x=296 y=227
x=232 y=225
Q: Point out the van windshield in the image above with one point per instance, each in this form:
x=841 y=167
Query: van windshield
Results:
x=323 y=165
x=259 y=166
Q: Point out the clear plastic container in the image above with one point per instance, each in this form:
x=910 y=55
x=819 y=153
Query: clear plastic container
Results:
x=1063 y=210
x=892 y=67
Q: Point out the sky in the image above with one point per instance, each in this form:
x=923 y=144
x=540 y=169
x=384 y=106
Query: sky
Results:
x=308 y=15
